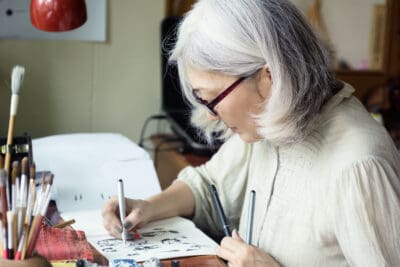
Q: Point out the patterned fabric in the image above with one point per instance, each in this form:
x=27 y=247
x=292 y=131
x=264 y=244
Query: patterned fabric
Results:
x=62 y=244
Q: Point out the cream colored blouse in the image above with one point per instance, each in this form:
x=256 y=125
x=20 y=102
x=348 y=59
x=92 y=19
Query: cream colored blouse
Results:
x=331 y=200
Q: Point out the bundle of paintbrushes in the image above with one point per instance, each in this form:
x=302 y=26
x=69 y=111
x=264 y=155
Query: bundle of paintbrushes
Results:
x=24 y=205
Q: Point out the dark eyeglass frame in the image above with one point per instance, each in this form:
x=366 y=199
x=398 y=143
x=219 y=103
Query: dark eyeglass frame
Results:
x=211 y=105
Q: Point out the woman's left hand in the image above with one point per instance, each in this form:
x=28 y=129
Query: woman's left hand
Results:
x=239 y=254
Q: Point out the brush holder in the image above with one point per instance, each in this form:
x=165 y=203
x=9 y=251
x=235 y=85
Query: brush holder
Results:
x=21 y=147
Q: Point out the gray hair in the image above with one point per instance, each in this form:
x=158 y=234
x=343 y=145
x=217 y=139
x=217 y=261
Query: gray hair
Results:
x=238 y=37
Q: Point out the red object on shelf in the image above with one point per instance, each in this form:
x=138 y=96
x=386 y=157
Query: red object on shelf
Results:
x=57 y=15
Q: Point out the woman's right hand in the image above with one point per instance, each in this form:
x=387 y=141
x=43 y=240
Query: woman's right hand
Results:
x=176 y=200
x=138 y=214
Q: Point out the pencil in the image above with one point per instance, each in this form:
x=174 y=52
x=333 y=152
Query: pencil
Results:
x=122 y=210
x=250 y=216
x=220 y=210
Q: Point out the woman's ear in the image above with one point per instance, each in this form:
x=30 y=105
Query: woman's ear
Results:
x=264 y=82
x=266 y=70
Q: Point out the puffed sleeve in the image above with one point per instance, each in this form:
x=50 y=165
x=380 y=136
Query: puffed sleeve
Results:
x=366 y=215
x=227 y=170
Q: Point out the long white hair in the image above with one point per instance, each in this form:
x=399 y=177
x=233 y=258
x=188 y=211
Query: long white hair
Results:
x=238 y=37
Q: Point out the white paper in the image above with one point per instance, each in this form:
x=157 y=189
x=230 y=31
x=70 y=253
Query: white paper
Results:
x=169 y=238
x=89 y=221
x=87 y=167
x=99 y=147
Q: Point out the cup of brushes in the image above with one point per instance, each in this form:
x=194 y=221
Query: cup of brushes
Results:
x=23 y=207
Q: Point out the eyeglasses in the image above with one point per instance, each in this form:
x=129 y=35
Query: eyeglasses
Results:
x=211 y=105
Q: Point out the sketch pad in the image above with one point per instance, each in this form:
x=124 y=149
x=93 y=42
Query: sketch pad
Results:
x=169 y=238
x=88 y=166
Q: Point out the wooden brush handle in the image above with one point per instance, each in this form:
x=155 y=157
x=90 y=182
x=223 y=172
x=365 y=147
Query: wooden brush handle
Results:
x=10 y=135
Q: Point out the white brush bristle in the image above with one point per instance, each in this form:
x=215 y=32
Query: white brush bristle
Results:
x=10 y=216
x=17 y=78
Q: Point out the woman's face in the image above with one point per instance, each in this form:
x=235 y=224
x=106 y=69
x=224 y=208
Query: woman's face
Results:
x=237 y=108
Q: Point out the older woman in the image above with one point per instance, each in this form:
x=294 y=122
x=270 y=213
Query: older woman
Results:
x=326 y=175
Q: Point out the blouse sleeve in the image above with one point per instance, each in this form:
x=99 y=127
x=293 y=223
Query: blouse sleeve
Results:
x=367 y=213
x=227 y=170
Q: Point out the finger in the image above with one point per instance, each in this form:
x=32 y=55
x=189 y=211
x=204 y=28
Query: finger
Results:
x=113 y=226
x=133 y=219
x=235 y=235
x=232 y=243
x=109 y=207
x=225 y=253
x=110 y=220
